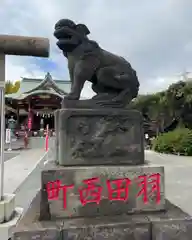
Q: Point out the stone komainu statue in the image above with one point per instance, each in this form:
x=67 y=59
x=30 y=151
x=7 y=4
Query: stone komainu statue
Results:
x=112 y=77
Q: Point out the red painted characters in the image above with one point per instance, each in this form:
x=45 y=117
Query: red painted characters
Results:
x=118 y=189
x=154 y=180
x=91 y=193
x=53 y=189
x=91 y=190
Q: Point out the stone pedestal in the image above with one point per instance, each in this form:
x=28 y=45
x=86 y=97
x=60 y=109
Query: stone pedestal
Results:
x=102 y=188
x=160 y=225
x=100 y=191
x=100 y=137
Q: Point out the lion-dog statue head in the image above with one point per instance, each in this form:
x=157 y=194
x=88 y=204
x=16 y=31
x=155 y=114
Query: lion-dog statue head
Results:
x=69 y=34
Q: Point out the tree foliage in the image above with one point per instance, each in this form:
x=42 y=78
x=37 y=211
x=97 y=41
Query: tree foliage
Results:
x=11 y=87
x=163 y=107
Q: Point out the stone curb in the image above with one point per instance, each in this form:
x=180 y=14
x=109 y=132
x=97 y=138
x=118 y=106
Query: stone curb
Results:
x=7 y=228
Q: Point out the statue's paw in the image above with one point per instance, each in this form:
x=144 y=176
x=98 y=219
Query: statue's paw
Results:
x=71 y=97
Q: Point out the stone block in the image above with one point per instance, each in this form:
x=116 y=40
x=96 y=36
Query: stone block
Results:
x=172 y=212
x=41 y=234
x=7 y=207
x=102 y=178
x=171 y=224
x=177 y=229
x=7 y=228
x=124 y=227
x=108 y=227
x=132 y=228
x=100 y=136
x=56 y=157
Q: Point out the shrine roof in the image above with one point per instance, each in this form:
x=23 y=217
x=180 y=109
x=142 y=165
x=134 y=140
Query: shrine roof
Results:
x=29 y=86
x=38 y=92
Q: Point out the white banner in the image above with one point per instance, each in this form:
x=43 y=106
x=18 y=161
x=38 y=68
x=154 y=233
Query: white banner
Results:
x=8 y=136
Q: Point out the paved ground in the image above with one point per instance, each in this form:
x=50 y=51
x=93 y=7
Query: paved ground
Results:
x=10 y=155
x=178 y=178
x=29 y=187
x=18 y=168
x=15 y=145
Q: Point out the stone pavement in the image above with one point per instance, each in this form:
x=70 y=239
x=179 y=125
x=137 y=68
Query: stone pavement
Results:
x=178 y=178
x=18 y=168
x=29 y=188
x=10 y=154
x=15 y=145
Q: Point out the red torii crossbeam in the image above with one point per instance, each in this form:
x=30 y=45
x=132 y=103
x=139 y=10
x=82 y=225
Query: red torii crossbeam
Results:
x=21 y=46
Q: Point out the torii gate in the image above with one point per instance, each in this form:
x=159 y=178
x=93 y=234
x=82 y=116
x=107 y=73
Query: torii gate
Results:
x=21 y=46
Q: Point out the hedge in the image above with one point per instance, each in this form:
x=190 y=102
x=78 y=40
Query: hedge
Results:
x=178 y=141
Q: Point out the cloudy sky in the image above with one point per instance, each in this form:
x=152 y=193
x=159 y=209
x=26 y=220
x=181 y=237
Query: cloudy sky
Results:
x=155 y=36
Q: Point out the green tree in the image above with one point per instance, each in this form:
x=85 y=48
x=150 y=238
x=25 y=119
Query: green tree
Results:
x=16 y=86
x=11 y=87
x=166 y=106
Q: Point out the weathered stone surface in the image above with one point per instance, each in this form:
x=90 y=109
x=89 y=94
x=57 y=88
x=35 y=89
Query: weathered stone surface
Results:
x=132 y=230
x=75 y=175
x=171 y=224
x=122 y=227
x=132 y=227
x=172 y=212
x=41 y=234
x=95 y=137
x=57 y=135
x=179 y=229
x=29 y=226
x=24 y=46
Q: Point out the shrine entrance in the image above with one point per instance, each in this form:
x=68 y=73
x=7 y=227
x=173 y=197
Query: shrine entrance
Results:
x=37 y=104
x=41 y=120
x=41 y=108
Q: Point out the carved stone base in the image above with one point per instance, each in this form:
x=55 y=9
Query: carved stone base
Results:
x=100 y=137
x=172 y=224
x=108 y=190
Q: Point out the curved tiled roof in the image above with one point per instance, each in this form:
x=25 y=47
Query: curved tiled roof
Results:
x=31 y=86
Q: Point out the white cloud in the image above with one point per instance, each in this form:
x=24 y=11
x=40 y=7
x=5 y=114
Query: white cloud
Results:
x=155 y=36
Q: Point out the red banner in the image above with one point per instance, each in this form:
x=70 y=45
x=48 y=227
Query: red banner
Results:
x=29 y=123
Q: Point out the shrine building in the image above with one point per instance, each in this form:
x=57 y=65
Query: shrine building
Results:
x=37 y=98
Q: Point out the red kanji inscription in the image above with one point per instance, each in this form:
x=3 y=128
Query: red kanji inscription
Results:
x=154 y=181
x=91 y=193
x=53 y=189
x=118 y=189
